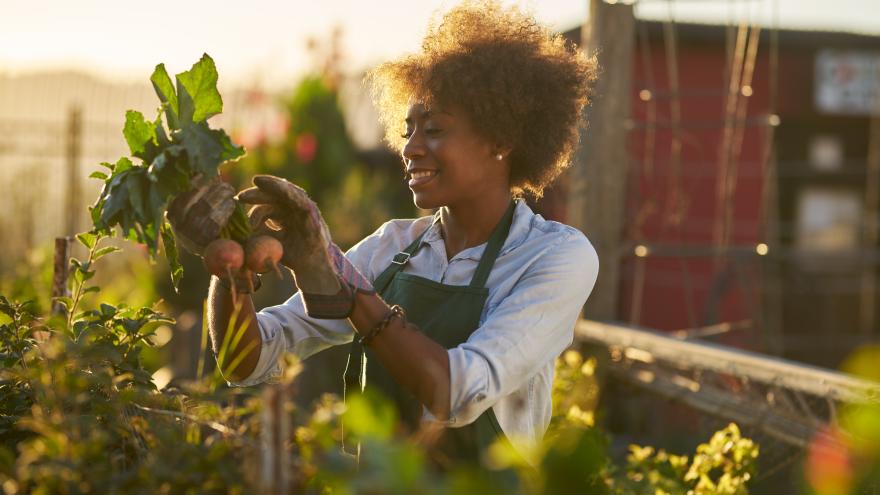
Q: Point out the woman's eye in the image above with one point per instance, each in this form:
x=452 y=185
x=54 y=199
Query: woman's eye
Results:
x=430 y=131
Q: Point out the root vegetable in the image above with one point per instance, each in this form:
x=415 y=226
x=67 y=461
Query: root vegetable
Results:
x=263 y=253
x=224 y=257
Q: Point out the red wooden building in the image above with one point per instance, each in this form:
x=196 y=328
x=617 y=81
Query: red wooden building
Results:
x=750 y=192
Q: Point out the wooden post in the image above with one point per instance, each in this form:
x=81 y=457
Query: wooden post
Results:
x=867 y=306
x=73 y=156
x=59 y=278
x=275 y=472
x=597 y=192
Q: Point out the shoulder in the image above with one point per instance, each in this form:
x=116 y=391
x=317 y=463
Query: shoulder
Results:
x=547 y=241
x=404 y=229
x=395 y=234
x=377 y=249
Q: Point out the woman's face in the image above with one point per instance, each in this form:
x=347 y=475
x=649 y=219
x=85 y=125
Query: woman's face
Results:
x=447 y=162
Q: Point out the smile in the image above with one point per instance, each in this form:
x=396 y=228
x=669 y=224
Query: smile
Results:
x=421 y=177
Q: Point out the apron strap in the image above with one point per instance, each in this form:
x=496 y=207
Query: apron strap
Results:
x=400 y=260
x=493 y=247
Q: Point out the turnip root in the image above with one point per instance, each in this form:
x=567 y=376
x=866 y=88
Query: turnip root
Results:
x=223 y=258
x=263 y=253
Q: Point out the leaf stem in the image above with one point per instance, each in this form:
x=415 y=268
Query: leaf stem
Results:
x=78 y=293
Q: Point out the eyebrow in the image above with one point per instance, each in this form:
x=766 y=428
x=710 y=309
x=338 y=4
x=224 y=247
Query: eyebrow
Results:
x=427 y=114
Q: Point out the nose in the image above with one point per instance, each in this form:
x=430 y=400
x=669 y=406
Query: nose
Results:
x=413 y=148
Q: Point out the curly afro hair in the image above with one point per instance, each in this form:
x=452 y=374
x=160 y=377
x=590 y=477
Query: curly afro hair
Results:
x=520 y=85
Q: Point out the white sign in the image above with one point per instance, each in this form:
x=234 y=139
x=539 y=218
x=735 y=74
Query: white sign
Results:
x=847 y=82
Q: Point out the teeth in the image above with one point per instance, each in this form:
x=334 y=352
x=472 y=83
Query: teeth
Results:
x=419 y=175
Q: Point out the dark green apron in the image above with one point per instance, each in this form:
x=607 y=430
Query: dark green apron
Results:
x=446 y=313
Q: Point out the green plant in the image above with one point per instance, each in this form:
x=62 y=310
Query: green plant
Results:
x=135 y=196
x=722 y=466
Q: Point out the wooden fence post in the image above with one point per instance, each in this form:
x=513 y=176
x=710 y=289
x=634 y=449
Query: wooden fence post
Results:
x=73 y=156
x=59 y=278
x=597 y=191
x=275 y=458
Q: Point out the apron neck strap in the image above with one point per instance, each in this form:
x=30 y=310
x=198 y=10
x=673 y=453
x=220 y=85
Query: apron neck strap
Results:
x=400 y=260
x=493 y=247
x=487 y=261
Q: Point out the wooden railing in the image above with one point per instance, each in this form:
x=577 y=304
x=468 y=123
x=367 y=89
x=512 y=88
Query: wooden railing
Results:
x=790 y=401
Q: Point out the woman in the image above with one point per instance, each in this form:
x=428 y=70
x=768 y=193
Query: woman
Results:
x=461 y=314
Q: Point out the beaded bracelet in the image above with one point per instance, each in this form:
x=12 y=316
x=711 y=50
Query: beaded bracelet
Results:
x=395 y=311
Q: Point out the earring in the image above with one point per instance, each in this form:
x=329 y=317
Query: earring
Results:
x=499 y=156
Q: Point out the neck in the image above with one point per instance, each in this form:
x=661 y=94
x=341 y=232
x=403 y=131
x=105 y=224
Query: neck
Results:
x=470 y=225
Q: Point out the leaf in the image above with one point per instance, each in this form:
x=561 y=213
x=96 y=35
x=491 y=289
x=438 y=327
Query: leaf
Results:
x=150 y=237
x=370 y=415
x=67 y=302
x=81 y=276
x=157 y=202
x=170 y=178
x=207 y=148
x=5 y=319
x=87 y=239
x=113 y=204
x=140 y=135
x=165 y=91
x=98 y=175
x=104 y=251
x=136 y=196
x=77 y=264
x=122 y=165
x=93 y=288
x=173 y=255
x=197 y=90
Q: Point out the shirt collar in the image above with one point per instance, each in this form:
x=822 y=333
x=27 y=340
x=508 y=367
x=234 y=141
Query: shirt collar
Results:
x=519 y=228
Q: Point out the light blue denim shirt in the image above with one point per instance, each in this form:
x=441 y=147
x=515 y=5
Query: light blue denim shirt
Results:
x=539 y=283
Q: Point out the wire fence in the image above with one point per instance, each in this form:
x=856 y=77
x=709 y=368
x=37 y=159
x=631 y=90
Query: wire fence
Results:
x=56 y=128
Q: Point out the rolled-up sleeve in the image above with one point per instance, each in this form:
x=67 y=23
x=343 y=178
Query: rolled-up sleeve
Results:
x=526 y=330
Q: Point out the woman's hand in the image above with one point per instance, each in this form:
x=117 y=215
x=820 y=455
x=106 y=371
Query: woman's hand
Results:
x=323 y=274
x=198 y=216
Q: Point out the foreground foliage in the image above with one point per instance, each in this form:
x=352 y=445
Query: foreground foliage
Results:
x=79 y=413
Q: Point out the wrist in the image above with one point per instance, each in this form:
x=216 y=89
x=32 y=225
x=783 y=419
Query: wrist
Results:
x=330 y=306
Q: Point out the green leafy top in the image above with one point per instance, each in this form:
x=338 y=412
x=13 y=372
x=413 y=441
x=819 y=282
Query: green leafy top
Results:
x=168 y=162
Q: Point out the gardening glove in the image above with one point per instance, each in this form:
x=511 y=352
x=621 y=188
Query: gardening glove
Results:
x=327 y=280
x=197 y=216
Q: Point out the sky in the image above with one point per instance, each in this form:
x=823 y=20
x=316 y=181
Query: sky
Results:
x=264 y=40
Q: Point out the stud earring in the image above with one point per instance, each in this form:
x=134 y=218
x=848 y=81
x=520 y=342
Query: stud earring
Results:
x=499 y=156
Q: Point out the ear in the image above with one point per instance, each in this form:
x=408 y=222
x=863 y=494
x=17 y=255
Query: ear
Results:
x=502 y=149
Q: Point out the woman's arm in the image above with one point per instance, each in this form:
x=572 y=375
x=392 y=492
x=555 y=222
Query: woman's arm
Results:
x=415 y=361
x=220 y=309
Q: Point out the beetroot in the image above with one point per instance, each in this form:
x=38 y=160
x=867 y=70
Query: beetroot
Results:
x=224 y=257
x=263 y=253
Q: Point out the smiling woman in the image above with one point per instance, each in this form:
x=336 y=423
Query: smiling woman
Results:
x=520 y=86
x=456 y=317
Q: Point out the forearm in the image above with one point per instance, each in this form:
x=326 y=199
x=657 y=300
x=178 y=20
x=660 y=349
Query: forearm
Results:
x=238 y=358
x=418 y=364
